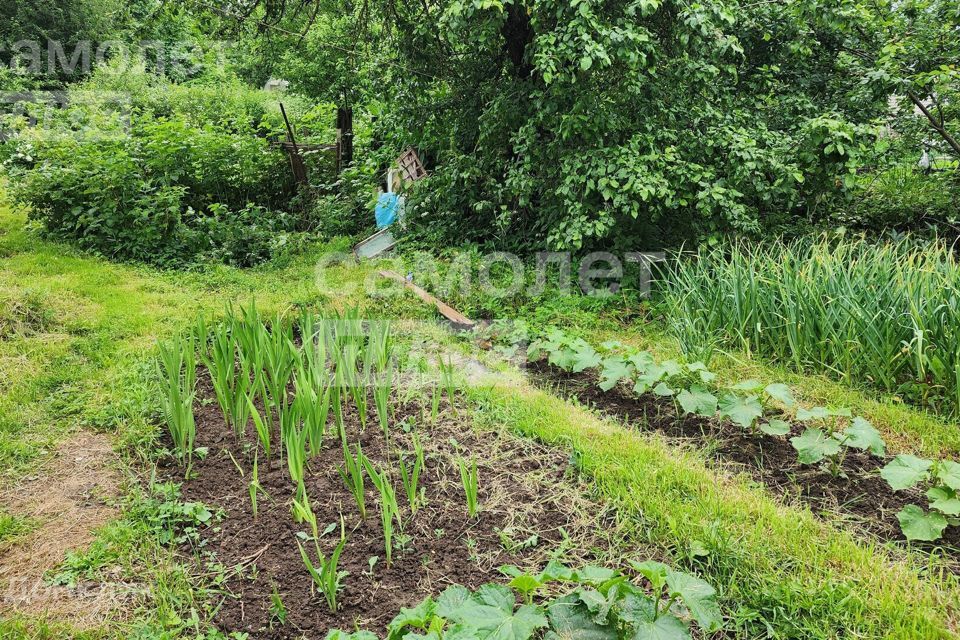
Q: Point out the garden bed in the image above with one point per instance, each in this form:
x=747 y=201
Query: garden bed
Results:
x=862 y=498
x=531 y=510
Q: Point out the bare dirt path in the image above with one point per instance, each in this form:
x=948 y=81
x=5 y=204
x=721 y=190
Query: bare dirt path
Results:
x=67 y=499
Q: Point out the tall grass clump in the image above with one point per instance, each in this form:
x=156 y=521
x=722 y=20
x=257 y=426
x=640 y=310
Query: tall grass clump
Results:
x=880 y=314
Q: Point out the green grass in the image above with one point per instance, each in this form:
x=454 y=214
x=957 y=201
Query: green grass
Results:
x=779 y=570
x=13 y=527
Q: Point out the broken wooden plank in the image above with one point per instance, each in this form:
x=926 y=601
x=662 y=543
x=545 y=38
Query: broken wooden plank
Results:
x=445 y=310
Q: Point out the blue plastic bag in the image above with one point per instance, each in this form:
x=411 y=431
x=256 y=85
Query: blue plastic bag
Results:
x=387 y=209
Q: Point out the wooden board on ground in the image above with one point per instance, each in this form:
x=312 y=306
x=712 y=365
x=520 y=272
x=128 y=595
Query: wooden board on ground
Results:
x=445 y=310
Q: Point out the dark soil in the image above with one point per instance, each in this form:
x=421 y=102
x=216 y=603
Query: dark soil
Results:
x=528 y=495
x=861 y=498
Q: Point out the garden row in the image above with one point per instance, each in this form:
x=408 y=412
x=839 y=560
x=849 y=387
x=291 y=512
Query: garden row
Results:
x=877 y=314
x=311 y=424
x=825 y=437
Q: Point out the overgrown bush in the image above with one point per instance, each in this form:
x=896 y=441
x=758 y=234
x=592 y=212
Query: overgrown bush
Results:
x=153 y=193
x=903 y=198
x=136 y=167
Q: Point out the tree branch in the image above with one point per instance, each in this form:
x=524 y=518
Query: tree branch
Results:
x=937 y=126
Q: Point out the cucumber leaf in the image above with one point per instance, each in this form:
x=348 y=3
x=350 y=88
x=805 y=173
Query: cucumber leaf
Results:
x=614 y=370
x=584 y=357
x=944 y=500
x=698 y=400
x=748 y=385
x=948 y=472
x=663 y=390
x=863 y=435
x=700 y=369
x=671 y=368
x=570 y=618
x=781 y=393
x=775 y=427
x=813 y=445
x=742 y=411
x=666 y=627
x=906 y=471
x=917 y=524
x=699 y=597
x=642 y=360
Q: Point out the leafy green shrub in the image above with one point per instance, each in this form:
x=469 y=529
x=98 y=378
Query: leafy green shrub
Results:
x=903 y=198
x=165 y=193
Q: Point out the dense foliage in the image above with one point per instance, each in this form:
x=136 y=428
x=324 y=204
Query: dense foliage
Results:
x=138 y=168
x=884 y=315
x=573 y=124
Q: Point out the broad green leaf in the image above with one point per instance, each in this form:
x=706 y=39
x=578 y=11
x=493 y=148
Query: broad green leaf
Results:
x=570 y=619
x=944 y=500
x=418 y=617
x=698 y=400
x=655 y=572
x=642 y=360
x=781 y=393
x=462 y=632
x=906 y=471
x=614 y=370
x=742 y=411
x=663 y=390
x=666 y=627
x=525 y=583
x=671 y=368
x=822 y=413
x=775 y=427
x=591 y=574
x=919 y=525
x=562 y=358
x=495 y=595
x=556 y=571
x=584 y=357
x=813 y=445
x=816 y=413
x=597 y=603
x=748 y=385
x=699 y=597
x=495 y=622
x=636 y=607
x=593 y=600
x=948 y=472
x=700 y=369
x=862 y=435
x=648 y=379
x=451 y=600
